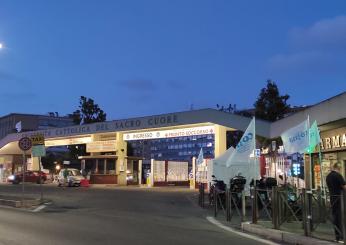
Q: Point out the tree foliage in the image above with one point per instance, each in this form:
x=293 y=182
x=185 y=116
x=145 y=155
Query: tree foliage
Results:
x=88 y=112
x=270 y=105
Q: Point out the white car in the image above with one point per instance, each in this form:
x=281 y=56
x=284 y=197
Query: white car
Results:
x=73 y=177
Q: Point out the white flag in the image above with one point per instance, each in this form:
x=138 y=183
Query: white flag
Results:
x=296 y=139
x=242 y=161
x=19 y=126
x=200 y=158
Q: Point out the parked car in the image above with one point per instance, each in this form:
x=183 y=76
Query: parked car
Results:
x=74 y=177
x=30 y=176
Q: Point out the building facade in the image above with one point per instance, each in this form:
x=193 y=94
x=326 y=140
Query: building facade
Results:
x=30 y=122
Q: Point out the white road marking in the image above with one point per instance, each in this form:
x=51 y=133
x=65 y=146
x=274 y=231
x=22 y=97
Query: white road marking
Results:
x=217 y=223
x=39 y=208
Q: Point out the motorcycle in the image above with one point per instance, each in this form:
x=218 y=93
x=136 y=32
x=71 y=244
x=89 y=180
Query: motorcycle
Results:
x=237 y=185
x=218 y=188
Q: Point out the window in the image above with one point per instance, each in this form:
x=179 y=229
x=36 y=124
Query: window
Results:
x=110 y=166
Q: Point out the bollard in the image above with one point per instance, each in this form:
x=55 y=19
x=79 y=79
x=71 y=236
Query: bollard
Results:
x=215 y=203
x=253 y=192
x=243 y=205
x=199 y=195
x=275 y=207
x=343 y=214
x=202 y=195
x=307 y=212
x=228 y=204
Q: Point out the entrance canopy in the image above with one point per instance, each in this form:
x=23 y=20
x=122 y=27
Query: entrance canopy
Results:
x=83 y=134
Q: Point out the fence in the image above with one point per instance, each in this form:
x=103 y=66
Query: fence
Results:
x=281 y=208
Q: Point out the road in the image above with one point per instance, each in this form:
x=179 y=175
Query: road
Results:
x=111 y=215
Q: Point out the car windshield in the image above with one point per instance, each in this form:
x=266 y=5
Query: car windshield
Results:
x=75 y=172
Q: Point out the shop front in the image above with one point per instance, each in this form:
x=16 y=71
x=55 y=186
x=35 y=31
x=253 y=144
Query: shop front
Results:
x=333 y=149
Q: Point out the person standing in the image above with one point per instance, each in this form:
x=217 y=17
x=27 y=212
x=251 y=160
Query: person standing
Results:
x=336 y=183
x=65 y=175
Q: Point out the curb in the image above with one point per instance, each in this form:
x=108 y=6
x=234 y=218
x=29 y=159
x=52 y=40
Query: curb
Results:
x=19 y=204
x=282 y=236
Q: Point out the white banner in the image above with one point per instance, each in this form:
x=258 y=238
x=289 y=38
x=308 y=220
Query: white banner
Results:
x=296 y=139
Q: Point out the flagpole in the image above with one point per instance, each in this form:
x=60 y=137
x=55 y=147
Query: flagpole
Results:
x=310 y=157
x=254 y=150
x=321 y=168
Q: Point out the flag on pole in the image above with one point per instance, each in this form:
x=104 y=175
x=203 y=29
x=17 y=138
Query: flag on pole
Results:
x=242 y=154
x=200 y=157
x=19 y=126
x=296 y=139
x=314 y=138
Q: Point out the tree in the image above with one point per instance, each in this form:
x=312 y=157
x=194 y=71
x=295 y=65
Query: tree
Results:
x=270 y=105
x=88 y=112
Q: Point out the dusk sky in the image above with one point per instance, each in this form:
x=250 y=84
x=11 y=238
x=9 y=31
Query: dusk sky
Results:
x=145 y=57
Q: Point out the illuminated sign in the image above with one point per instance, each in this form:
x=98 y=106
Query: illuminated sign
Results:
x=72 y=141
x=296 y=169
x=37 y=139
x=101 y=146
x=170 y=133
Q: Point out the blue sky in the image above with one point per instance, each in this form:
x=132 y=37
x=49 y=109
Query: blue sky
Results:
x=136 y=57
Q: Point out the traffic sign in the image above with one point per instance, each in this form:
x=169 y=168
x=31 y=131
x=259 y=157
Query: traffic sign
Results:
x=37 y=139
x=25 y=144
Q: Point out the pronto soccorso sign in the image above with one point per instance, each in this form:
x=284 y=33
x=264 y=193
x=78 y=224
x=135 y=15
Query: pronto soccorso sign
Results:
x=170 y=133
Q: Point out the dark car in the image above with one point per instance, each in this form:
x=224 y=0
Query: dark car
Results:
x=30 y=176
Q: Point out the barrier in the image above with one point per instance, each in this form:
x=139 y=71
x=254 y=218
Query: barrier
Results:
x=84 y=183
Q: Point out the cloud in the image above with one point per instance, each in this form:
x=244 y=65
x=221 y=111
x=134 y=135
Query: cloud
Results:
x=175 y=85
x=21 y=96
x=147 y=85
x=139 y=85
x=324 y=34
x=307 y=62
x=319 y=49
x=6 y=77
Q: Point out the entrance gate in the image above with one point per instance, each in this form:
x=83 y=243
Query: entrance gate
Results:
x=170 y=173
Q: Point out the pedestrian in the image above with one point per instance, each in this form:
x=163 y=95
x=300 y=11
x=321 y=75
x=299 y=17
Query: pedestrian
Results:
x=336 y=183
x=65 y=174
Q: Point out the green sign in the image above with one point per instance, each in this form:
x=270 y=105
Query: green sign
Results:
x=38 y=151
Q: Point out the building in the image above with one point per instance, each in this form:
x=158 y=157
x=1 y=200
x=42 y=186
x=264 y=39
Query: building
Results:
x=117 y=150
x=30 y=122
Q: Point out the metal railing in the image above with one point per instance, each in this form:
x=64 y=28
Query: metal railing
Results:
x=281 y=206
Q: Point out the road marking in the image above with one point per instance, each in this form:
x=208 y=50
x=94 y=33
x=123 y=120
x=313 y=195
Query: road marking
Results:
x=39 y=208
x=217 y=223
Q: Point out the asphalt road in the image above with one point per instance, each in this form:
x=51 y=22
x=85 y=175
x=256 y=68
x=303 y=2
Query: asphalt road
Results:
x=111 y=215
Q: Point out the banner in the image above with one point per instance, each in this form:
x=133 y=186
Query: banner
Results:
x=296 y=139
x=314 y=139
